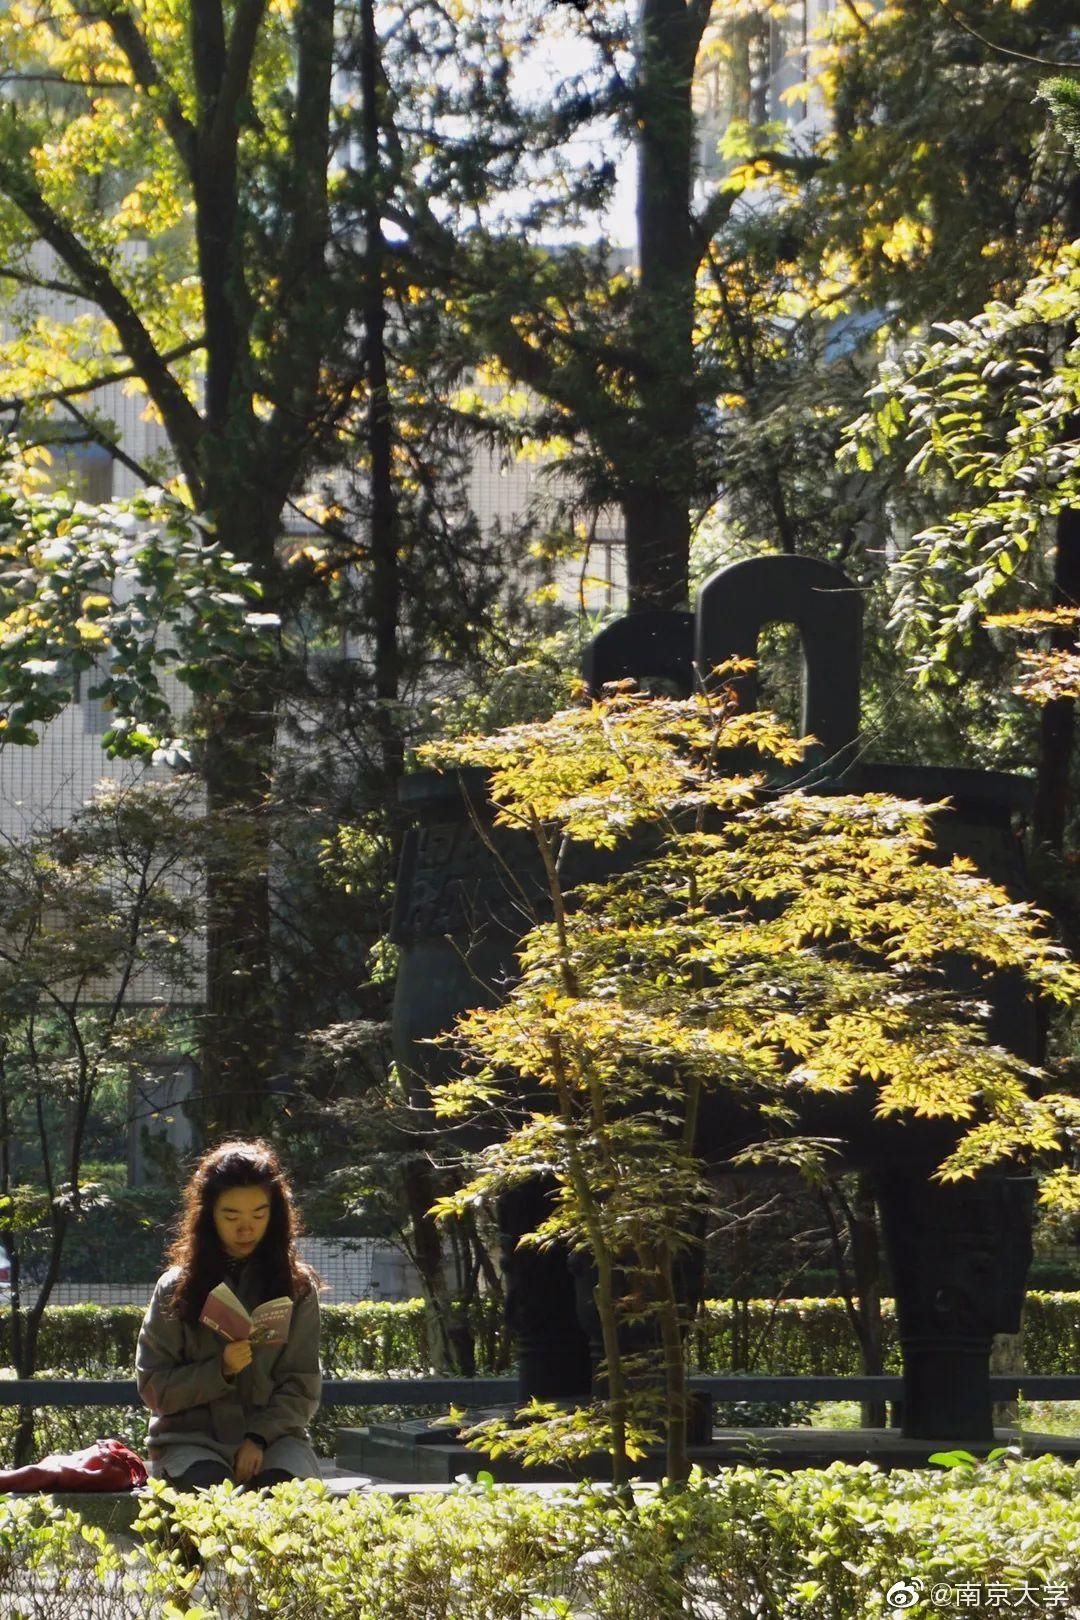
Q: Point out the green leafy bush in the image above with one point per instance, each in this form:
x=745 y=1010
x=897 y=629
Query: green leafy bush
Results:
x=830 y=1543
x=52 y=1564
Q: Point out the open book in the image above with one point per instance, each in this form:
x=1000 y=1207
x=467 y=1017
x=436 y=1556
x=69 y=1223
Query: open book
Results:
x=268 y=1323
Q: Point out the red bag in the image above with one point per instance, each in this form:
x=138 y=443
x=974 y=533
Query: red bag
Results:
x=107 y=1465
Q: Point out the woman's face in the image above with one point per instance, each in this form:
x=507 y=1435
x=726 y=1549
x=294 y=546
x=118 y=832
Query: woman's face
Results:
x=241 y=1216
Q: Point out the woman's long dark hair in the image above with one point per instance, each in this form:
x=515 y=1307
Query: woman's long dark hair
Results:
x=197 y=1249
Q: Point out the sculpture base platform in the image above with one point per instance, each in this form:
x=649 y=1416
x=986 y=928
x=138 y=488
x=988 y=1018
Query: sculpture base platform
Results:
x=419 y=1453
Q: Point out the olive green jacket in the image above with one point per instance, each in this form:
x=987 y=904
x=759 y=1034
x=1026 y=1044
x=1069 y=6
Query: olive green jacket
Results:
x=179 y=1375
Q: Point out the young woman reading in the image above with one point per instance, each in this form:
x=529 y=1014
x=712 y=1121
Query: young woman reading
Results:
x=225 y=1406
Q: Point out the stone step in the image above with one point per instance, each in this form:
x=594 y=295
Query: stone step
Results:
x=417 y=1453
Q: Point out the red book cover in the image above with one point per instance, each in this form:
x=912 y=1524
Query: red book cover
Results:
x=224 y=1313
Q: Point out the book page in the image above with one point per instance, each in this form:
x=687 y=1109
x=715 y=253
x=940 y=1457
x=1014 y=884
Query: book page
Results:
x=270 y=1321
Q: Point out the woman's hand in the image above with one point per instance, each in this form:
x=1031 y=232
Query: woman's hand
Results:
x=248 y=1461
x=235 y=1357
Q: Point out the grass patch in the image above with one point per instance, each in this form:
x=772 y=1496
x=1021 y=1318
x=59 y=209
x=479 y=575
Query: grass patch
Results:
x=1036 y=1417
x=836 y=1415
x=1050 y=1417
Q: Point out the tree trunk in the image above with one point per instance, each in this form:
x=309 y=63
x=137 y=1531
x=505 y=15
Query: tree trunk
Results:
x=385 y=530
x=248 y=464
x=444 y=1347
x=451 y=1333
x=657 y=509
x=26 y=1359
x=238 y=1046
x=657 y=525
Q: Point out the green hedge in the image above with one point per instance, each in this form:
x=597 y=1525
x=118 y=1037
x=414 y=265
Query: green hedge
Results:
x=814 y=1336
x=809 y=1336
x=829 y=1544
x=376 y=1336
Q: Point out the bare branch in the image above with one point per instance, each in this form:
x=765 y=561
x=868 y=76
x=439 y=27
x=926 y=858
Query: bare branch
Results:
x=853 y=11
x=208 y=54
x=1002 y=50
x=234 y=82
x=40 y=283
x=297 y=379
x=97 y=435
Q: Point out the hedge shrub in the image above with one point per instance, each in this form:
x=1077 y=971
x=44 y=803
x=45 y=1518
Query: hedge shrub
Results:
x=826 y=1544
x=378 y=1336
x=810 y=1336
